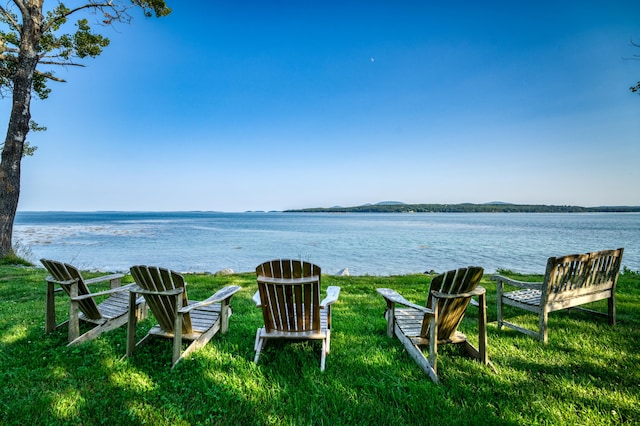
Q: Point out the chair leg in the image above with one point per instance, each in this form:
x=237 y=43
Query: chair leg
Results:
x=74 y=312
x=131 y=325
x=50 y=320
x=433 y=335
x=258 y=345
x=177 y=332
x=390 y=316
x=323 y=355
x=611 y=310
x=543 y=326
x=225 y=313
x=482 y=329
x=114 y=283
x=499 y=304
x=142 y=311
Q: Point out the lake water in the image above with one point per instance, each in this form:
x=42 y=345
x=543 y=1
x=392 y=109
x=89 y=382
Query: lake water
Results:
x=366 y=244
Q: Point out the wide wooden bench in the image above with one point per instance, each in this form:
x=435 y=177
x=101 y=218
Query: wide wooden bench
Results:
x=569 y=281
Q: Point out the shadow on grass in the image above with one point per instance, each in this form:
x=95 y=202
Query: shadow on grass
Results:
x=584 y=375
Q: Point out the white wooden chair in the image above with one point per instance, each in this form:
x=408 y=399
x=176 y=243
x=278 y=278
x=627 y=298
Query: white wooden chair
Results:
x=289 y=296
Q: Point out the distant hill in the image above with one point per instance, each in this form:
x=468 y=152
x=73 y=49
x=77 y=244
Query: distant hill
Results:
x=390 y=203
x=493 y=207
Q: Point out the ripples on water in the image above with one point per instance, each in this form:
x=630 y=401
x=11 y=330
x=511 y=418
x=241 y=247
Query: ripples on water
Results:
x=373 y=244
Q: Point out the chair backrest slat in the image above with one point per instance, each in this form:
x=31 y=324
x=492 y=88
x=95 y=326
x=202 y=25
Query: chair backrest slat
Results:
x=153 y=278
x=61 y=272
x=289 y=306
x=451 y=311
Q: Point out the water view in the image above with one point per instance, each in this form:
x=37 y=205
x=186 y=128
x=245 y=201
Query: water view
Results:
x=365 y=244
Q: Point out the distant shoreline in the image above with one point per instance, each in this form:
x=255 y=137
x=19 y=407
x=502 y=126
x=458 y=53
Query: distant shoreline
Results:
x=467 y=208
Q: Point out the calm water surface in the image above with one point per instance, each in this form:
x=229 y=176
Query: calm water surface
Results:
x=374 y=244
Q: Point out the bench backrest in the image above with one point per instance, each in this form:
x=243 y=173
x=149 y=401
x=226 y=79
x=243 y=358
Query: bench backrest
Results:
x=579 y=274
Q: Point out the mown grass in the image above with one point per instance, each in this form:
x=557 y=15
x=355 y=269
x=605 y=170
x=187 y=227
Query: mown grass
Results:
x=588 y=373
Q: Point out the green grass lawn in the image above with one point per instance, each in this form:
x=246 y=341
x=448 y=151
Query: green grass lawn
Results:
x=588 y=373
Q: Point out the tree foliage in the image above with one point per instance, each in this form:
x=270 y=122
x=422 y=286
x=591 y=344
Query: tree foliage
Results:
x=56 y=48
x=34 y=40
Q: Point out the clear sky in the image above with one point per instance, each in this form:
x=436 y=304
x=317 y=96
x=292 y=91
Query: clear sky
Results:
x=272 y=105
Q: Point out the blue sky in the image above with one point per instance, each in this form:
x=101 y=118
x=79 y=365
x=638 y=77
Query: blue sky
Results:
x=254 y=105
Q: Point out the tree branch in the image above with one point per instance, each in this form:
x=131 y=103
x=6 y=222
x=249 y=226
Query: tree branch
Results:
x=10 y=58
x=50 y=77
x=9 y=18
x=64 y=64
x=95 y=6
x=633 y=43
x=4 y=48
x=22 y=7
x=19 y=3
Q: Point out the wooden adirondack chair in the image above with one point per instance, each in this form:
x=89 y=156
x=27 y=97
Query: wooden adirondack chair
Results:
x=437 y=323
x=108 y=315
x=289 y=295
x=178 y=318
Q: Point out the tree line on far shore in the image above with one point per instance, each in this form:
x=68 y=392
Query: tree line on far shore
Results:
x=467 y=208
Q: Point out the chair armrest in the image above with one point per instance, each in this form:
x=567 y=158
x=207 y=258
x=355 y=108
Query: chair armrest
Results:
x=332 y=296
x=103 y=278
x=220 y=295
x=127 y=287
x=475 y=292
x=50 y=279
x=256 y=299
x=521 y=284
x=394 y=297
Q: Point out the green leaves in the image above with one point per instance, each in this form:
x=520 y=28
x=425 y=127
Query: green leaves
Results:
x=55 y=47
x=86 y=43
x=66 y=47
x=151 y=7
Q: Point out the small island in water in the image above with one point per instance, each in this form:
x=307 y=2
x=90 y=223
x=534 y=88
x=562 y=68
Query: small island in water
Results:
x=493 y=207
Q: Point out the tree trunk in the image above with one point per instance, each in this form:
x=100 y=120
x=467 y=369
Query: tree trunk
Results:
x=18 y=122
